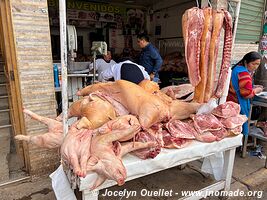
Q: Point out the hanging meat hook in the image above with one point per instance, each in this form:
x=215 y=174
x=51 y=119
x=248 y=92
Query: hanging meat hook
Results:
x=209 y=3
x=197 y=3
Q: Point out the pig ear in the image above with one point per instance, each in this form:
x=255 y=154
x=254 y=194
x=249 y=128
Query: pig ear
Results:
x=116 y=148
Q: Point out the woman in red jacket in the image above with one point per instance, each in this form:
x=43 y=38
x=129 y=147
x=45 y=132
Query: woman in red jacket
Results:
x=242 y=88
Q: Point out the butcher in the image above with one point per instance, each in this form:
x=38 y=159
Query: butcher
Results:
x=102 y=63
x=241 y=88
x=126 y=70
x=149 y=57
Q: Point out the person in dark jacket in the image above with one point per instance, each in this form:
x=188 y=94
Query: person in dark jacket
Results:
x=150 y=58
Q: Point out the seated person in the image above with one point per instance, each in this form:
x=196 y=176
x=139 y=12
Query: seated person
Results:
x=126 y=70
x=102 y=64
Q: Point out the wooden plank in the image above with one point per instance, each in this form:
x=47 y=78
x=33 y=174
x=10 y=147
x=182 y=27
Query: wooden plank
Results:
x=8 y=50
x=34 y=61
x=252 y=4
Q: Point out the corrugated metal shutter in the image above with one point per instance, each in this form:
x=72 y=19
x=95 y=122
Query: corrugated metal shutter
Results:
x=250 y=21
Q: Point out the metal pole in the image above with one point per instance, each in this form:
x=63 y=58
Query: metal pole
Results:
x=63 y=52
x=94 y=66
x=236 y=20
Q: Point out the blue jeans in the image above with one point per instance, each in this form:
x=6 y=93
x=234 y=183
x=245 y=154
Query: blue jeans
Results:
x=156 y=79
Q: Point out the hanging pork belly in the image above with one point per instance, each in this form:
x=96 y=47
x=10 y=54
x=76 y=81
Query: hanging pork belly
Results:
x=201 y=32
x=217 y=24
x=227 y=49
x=204 y=59
x=193 y=24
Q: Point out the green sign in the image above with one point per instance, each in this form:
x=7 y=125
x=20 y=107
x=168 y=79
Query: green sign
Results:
x=88 y=6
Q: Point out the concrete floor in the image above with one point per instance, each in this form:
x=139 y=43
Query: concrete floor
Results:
x=249 y=175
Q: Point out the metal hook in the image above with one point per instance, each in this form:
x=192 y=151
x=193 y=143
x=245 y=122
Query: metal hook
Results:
x=230 y=6
x=209 y=3
x=197 y=3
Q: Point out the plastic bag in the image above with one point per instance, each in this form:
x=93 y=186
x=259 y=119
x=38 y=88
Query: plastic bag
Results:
x=214 y=165
x=61 y=185
x=208 y=107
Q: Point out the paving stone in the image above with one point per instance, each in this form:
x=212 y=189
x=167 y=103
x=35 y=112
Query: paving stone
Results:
x=256 y=179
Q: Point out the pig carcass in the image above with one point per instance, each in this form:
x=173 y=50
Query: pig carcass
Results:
x=52 y=139
x=77 y=143
x=95 y=108
x=153 y=88
x=106 y=161
x=149 y=108
x=75 y=149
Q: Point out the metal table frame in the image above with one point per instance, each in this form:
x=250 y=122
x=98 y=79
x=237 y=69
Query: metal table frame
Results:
x=254 y=133
x=227 y=145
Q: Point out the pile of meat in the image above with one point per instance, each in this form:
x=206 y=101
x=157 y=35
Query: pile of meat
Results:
x=116 y=118
x=183 y=92
x=174 y=62
x=263 y=126
x=201 y=32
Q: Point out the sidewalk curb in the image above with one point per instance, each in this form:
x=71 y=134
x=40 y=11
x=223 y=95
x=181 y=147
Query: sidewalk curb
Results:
x=256 y=179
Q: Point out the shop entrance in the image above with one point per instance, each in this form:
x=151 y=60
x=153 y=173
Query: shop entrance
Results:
x=13 y=165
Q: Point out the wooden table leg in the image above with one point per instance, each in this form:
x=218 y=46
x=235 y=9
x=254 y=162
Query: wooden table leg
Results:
x=244 y=147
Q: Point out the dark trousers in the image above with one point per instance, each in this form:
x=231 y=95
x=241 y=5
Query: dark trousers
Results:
x=131 y=72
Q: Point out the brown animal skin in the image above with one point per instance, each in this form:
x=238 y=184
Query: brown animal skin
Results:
x=149 y=108
x=89 y=107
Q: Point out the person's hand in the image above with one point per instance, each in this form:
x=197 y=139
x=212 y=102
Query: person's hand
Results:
x=258 y=88
x=152 y=75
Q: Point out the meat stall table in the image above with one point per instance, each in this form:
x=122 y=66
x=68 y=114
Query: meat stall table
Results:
x=254 y=132
x=168 y=158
